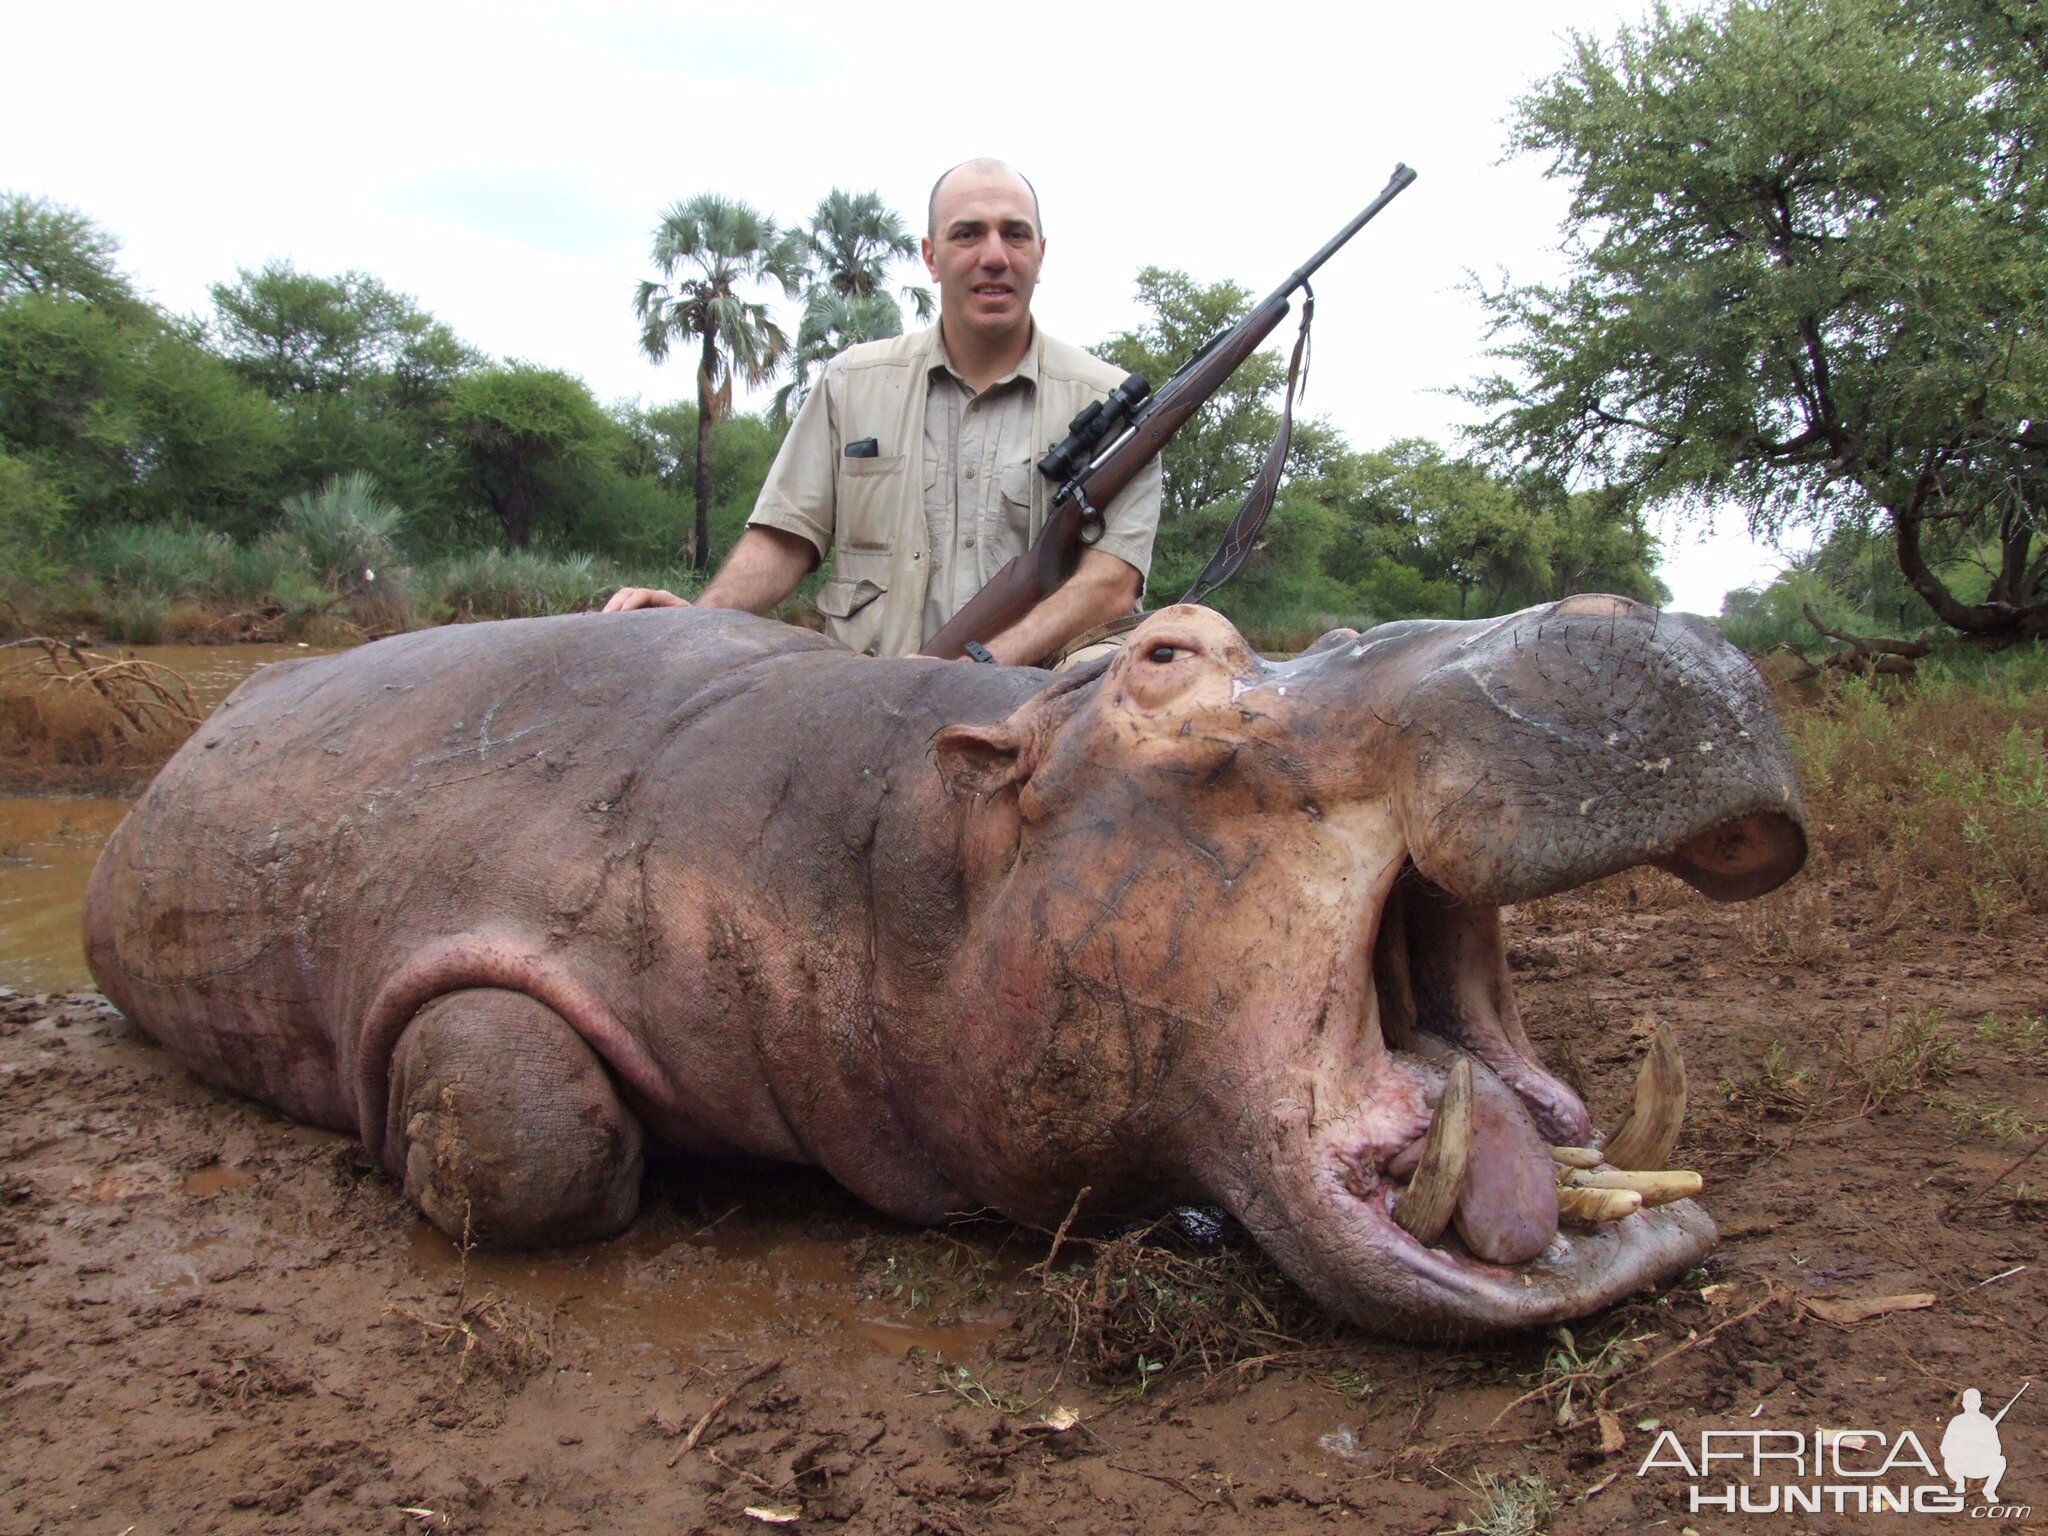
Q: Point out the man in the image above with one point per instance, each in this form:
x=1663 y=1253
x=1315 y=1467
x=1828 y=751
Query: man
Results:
x=913 y=463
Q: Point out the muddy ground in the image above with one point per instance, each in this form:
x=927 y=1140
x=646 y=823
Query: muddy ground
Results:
x=214 y=1320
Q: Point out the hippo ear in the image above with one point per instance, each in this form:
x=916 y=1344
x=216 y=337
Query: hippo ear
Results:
x=979 y=760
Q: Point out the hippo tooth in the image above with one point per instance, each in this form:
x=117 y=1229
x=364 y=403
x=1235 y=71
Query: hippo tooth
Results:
x=1645 y=1140
x=1391 y=978
x=1595 y=1205
x=1432 y=1195
x=1577 y=1157
x=1657 y=1188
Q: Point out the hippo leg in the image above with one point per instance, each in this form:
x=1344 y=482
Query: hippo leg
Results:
x=505 y=1128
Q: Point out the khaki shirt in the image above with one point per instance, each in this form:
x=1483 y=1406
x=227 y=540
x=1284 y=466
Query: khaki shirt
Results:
x=952 y=491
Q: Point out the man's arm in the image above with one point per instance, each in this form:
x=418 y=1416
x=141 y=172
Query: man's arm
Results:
x=765 y=566
x=1102 y=588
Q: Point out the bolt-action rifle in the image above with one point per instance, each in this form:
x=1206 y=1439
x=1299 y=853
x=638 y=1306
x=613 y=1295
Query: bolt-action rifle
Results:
x=1114 y=438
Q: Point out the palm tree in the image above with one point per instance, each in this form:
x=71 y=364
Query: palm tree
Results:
x=853 y=240
x=708 y=249
x=832 y=322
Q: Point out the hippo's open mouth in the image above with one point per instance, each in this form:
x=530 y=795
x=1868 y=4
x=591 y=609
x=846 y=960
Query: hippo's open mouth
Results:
x=1480 y=1171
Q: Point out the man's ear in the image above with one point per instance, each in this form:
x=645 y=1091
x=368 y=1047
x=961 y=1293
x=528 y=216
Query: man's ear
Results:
x=977 y=761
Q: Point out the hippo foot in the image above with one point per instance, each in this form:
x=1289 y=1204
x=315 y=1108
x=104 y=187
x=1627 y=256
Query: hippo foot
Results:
x=505 y=1129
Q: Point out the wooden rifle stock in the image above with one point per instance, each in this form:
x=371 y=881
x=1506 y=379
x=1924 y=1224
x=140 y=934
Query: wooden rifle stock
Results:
x=1034 y=575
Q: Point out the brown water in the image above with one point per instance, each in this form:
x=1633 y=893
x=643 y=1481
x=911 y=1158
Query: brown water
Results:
x=48 y=842
x=678 y=1288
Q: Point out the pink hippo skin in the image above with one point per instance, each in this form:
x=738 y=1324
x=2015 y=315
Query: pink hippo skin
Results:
x=507 y=899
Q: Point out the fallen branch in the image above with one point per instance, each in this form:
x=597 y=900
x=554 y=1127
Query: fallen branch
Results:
x=1866 y=655
x=723 y=1402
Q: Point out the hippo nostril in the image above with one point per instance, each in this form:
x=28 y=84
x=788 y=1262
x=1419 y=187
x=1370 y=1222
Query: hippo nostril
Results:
x=1741 y=859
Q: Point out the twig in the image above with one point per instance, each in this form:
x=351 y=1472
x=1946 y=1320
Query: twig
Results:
x=759 y=1482
x=2012 y=1167
x=1060 y=1236
x=723 y=1401
x=1692 y=1343
x=1161 y=1477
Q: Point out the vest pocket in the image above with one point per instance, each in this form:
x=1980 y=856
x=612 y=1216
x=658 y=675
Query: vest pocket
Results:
x=870 y=496
x=847 y=600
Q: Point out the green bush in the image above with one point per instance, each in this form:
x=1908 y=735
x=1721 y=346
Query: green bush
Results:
x=345 y=535
x=502 y=584
x=31 y=516
x=173 y=561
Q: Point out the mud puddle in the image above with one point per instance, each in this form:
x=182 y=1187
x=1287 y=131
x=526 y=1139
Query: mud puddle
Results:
x=47 y=849
x=48 y=842
x=679 y=1288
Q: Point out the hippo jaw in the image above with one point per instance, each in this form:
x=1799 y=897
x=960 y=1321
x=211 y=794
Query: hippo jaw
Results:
x=1374 y=802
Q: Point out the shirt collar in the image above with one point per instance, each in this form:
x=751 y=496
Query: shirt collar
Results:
x=1026 y=369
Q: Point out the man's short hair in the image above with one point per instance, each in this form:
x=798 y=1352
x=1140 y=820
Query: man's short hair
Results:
x=979 y=163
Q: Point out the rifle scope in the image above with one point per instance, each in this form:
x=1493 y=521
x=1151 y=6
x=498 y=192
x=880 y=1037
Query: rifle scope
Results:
x=1094 y=427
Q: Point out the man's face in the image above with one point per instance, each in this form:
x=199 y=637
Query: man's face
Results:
x=984 y=253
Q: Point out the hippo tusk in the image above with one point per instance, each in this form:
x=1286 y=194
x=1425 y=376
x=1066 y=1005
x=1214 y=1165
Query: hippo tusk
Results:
x=1646 y=1138
x=1659 y=1187
x=1577 y=1157
x=1391 y=978
x=1597 y=1205
x=1432 y=1195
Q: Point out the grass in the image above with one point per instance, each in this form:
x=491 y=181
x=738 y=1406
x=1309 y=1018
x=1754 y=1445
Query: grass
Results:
x=930 y=1270
x=1138 y=1308
x=1935 y=790
x=1517 y=1505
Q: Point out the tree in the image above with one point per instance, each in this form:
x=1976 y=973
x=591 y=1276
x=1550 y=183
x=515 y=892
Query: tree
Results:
x=126 y=418
x=709 y=250
x=1215 y=456
x=523 y=426
x=852 y=241
x=361 y=372
x=57 y=252
x=295 y=334
x=1808 y=270
x=832 y=322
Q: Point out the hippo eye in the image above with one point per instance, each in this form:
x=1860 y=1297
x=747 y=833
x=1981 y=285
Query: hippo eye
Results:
x=1161 y=654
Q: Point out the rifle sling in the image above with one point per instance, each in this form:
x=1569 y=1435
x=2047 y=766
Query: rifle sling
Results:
x=1242 y=532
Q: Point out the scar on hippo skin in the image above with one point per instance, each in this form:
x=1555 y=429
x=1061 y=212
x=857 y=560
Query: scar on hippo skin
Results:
x=1183 y=926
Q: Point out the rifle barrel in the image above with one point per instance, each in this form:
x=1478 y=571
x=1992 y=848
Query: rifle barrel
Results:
x=1396 y=184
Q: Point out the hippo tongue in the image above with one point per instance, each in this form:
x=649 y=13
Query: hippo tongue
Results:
x=1507 y=1213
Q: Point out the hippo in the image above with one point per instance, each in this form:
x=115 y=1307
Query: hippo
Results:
x=1183 y=927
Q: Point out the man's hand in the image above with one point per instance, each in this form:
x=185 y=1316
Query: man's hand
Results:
x=764 y=567
x=1102 y=588
x=627 y=598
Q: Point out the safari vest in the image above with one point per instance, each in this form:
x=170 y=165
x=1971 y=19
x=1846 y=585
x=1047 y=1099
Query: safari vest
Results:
x=874 y=600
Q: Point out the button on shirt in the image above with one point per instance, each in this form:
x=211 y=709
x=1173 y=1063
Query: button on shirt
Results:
x=978 y=464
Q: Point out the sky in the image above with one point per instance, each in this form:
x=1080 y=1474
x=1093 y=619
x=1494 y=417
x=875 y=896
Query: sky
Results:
x=506 y=164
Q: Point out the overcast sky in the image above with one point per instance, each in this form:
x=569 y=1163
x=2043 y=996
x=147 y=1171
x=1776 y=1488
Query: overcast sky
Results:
x=506 y=164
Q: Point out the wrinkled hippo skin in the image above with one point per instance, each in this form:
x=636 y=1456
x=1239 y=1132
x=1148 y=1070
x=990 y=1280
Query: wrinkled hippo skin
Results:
x=507 y=899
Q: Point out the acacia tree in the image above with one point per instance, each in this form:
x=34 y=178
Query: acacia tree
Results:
x=521 y=424
x=52 y=251
x=1808 y=271
x=710 y=250
x=1216 y=455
